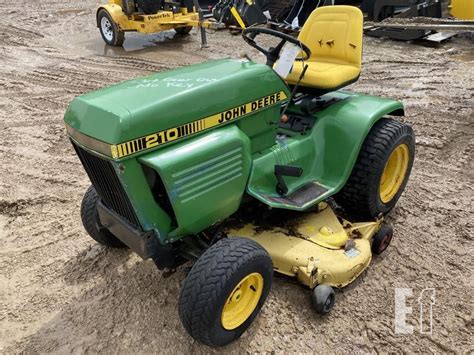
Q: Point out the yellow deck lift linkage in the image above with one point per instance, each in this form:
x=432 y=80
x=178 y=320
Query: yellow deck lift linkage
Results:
x=113 y=21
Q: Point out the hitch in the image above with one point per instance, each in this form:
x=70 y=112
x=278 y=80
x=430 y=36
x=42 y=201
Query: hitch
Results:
x=202 y=29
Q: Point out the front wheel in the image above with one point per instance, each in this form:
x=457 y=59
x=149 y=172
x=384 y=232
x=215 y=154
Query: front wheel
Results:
x=91 y=222
x=225 y=290
x=381 y=171
x=109 y=30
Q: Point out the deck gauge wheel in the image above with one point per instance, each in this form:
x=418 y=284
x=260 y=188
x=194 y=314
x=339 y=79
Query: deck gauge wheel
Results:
x=323 y=298
x=382 y=239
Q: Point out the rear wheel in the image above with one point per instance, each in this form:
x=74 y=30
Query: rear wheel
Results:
x=91 y=223
x=183 y=30
x=381 y=171
x=225 y=290
x=109 y=30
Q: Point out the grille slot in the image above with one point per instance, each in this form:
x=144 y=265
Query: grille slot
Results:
x=107 y=184
x=201 y=178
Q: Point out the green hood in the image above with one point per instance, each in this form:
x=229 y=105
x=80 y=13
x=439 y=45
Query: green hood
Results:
x=159 y=101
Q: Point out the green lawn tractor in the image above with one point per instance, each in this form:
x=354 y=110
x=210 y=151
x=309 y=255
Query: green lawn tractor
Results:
x=244 y=173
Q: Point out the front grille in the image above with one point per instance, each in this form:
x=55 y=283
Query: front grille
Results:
x=107 y=184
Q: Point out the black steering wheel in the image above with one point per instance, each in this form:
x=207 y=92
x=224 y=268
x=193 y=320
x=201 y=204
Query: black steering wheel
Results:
x=273 y=53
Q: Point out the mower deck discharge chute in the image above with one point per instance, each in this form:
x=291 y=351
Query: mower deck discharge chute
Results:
x=227 y=164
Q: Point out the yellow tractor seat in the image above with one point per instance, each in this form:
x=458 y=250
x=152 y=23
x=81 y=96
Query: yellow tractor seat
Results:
x=334 y=35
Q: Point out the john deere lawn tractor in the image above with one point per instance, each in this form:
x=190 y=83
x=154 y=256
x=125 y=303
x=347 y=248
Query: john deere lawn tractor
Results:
x=243 y=172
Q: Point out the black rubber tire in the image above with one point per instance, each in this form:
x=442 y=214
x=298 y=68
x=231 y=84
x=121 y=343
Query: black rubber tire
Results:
x=323 y=298
x=360 y=196
x=367 y=7
x=211 y=281
x=150 y=7
x=183 y=30
x=118 y=36
x=382 y=239
x=91 y=223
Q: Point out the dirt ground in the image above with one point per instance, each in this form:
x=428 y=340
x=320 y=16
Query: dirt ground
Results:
x=61 y=292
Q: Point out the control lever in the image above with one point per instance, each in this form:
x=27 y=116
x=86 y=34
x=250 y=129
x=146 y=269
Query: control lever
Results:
x=294 y=89
x=285 y=170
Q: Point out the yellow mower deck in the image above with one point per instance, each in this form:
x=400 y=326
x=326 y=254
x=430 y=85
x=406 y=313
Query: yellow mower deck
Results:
x=161 y=21
x=319 y=249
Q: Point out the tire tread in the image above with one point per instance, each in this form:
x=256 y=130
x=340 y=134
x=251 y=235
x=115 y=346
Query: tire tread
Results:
x=357 y=196
x=204 y=285
x=90 y=221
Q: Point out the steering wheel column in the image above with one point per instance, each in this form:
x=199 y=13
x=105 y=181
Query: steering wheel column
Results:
x=273 y=53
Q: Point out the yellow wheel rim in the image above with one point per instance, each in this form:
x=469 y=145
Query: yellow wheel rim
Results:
x=394 y=173
x=242 y=301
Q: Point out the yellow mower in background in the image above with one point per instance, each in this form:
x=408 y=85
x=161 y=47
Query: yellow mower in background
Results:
x=149 y=16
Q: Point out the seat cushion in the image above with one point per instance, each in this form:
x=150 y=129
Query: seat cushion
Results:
x=323 y=75
x=334 y=36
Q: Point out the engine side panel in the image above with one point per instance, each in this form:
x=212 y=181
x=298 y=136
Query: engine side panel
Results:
x=205 y=177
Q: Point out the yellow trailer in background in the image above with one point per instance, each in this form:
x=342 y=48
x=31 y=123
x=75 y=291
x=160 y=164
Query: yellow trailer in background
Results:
x=113 y=21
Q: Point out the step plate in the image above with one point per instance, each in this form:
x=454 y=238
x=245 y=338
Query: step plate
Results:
x=309 y=192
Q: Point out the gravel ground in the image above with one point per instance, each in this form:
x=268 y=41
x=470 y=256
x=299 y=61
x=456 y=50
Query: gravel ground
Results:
x=61 y=292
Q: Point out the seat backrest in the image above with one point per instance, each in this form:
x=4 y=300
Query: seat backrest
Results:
x=334 y=34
